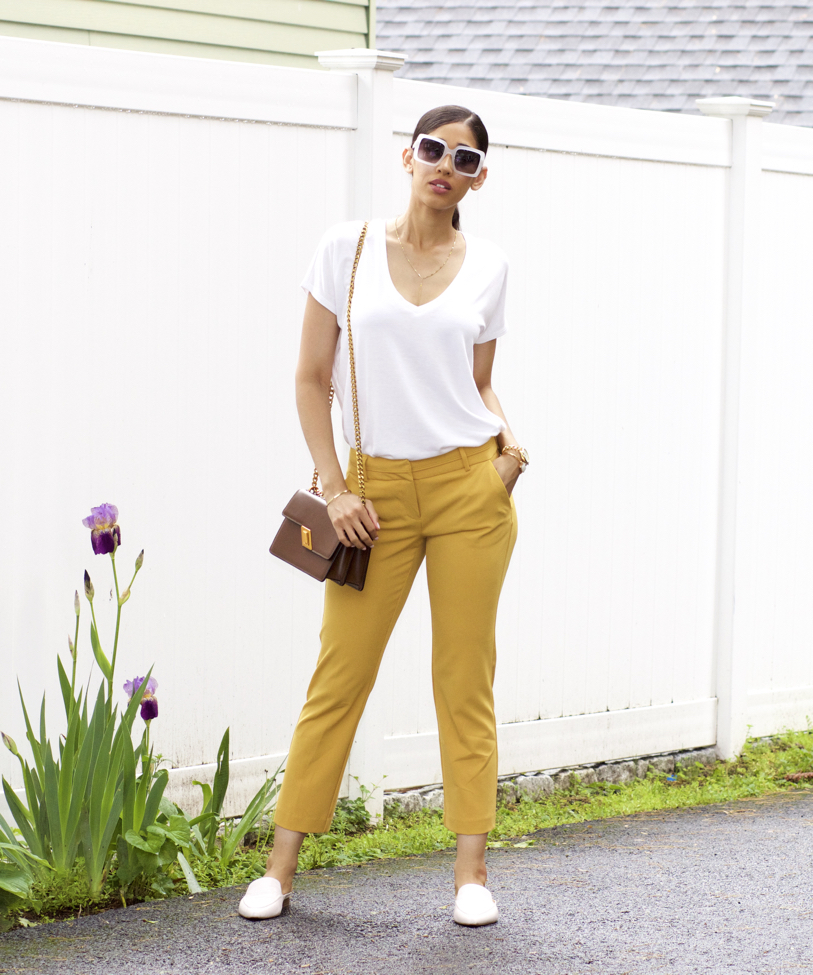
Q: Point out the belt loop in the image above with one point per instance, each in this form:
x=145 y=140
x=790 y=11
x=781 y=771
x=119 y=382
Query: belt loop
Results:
x=465 y=458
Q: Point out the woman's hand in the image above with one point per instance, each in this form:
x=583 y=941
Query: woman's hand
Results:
x=355 y=524
x=507 y=466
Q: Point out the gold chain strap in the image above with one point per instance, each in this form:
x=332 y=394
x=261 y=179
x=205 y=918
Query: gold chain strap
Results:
x=359 y=464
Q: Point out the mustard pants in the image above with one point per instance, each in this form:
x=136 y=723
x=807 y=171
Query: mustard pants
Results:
x=454 y=511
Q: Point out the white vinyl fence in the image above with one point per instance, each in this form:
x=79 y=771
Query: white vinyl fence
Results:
x=156 y=216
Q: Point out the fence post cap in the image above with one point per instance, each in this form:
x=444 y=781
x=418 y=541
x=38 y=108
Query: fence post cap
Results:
x=358 y=58
x=734 y=106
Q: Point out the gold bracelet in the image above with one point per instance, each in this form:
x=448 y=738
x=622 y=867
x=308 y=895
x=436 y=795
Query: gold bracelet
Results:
x=337 y=496
x=520 y=454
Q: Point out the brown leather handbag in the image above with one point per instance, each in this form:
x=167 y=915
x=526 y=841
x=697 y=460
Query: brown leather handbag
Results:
x=307 y=539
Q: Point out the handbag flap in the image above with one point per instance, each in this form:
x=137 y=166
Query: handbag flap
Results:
x=309 y=511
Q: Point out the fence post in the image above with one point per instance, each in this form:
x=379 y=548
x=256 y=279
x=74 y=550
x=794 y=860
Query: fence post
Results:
x=373 y=176
x=742 y=272
x=373 y=158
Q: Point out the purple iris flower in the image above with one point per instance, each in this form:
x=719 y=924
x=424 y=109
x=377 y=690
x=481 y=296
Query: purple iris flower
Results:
x=149 y=706
x=105 y=534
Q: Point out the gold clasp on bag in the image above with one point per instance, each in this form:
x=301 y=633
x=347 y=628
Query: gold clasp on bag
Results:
x=306 y=538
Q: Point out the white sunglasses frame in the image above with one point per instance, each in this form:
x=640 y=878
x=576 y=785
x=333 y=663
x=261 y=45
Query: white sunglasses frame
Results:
x=449 y=152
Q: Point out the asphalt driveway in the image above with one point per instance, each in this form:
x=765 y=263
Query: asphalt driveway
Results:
x=717 y=889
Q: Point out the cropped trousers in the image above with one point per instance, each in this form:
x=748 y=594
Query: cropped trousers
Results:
x=454 y=511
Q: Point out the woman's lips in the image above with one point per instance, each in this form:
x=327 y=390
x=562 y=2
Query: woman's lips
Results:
x=440 y=186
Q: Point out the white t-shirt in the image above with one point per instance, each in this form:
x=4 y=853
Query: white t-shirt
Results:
x=416 y=390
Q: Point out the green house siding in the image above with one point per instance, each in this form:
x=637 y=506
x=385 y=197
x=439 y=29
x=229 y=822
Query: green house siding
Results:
x=285 y=32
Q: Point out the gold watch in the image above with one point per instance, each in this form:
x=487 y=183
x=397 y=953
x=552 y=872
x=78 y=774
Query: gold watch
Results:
x=520 y=453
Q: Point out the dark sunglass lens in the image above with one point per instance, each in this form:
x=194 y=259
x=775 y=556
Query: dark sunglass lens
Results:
x=466 y=161
x=430 y=151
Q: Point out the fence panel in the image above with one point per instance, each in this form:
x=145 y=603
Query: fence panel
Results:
x=611 y=372
x=776 y=563
x=151 y=324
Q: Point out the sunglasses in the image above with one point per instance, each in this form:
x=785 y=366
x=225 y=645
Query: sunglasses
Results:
x=465 y=160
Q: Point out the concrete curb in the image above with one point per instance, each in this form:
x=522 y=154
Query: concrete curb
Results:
x=537 y=785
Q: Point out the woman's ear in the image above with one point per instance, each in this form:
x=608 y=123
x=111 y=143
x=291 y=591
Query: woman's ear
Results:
x=406 y=157
x=479 y=179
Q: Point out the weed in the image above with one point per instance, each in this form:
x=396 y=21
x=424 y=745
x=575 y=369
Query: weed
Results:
x=351 y=817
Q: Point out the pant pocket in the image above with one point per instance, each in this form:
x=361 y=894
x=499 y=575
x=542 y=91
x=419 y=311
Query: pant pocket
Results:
x=497 y=481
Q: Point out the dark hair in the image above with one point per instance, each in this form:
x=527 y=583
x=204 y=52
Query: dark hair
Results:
x=445 y=115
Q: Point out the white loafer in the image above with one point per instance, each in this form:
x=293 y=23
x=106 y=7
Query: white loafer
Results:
x=474 y=905
x=264 y=898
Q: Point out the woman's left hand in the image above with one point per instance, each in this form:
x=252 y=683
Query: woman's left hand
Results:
x=507 y=466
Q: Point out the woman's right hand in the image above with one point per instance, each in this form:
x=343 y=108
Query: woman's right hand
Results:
x=355 y=524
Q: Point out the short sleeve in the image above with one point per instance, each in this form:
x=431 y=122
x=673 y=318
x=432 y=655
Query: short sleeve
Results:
x=495 y=310
x=320 y=278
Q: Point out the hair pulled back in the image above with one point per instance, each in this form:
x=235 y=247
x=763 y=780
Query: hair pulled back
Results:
x=446 y=115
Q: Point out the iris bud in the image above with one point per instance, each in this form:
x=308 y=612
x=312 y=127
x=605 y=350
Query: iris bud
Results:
x=72 y=648
x=89 y=590
x=9 y=743
x=140 y=560
x=76 y=602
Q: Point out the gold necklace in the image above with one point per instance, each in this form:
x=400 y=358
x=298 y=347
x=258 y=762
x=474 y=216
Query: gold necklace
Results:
x=423 y=277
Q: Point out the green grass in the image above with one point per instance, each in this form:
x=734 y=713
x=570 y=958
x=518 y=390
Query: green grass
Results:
x=759 y=771
x=69 y=895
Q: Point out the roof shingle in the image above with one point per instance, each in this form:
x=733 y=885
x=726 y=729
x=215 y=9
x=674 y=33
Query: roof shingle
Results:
x=635 y=53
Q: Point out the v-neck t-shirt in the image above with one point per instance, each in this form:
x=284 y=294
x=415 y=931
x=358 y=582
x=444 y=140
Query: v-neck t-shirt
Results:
x=414 y=363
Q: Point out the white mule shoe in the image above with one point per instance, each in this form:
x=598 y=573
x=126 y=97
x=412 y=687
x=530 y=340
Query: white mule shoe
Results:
x=474 y=905
x=264 y=898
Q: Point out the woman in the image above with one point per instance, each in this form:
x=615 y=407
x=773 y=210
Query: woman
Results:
x=440 y=464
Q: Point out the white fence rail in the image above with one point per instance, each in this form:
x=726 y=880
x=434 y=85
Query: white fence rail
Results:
x=157 y=215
